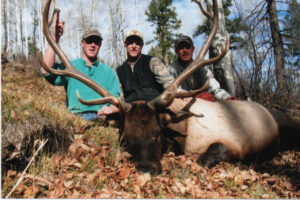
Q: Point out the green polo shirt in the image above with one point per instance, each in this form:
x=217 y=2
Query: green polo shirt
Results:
x=99 y=72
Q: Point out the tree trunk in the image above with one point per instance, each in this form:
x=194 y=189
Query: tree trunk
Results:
x=93 y=14
x=26 y=31
x=34 y=29
x=41 y=43
x=18 y=31
x=222 y=69
x=166 y=58
x=278 y=52
x=123 y=33
x=114 y=37
x=78 y=43
x=8 y=26
x=4 y=11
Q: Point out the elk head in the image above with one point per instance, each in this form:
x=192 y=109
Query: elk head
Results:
x=142 y=123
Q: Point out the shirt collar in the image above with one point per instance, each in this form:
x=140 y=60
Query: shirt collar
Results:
x=95 y=64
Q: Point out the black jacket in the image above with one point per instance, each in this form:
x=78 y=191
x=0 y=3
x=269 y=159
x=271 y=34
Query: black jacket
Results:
x=139 y=84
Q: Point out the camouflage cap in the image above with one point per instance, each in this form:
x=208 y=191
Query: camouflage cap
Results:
x=183 y=38
x=91 y=32
x=134 y=33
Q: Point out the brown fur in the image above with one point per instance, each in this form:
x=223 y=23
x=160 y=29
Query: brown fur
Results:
x=235 y=128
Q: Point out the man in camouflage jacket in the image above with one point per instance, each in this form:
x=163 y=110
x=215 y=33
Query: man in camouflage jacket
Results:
x=184 y=49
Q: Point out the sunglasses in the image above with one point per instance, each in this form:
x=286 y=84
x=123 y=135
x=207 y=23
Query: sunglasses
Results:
x=135 y=40
x=91 y=40
x=184 y=45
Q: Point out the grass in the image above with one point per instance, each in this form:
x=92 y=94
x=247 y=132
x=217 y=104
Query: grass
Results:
x=89 y=166
x=43 y=165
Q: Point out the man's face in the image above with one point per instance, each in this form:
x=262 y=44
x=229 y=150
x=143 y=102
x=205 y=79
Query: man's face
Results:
x=91 y=46
x=133 y=46
x=185 y=52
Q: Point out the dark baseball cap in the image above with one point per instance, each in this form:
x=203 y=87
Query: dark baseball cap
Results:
x=183 y=38
x=91 y=32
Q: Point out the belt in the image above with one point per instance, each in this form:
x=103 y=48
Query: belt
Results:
x=85 y=112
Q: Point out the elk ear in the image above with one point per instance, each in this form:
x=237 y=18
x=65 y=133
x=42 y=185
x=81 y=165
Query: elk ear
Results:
x=172 y=118
x=182 y=115
x=128 y=107
x=177 y=121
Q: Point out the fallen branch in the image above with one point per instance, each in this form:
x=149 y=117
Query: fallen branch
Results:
x=37 y=178
x=23 y=173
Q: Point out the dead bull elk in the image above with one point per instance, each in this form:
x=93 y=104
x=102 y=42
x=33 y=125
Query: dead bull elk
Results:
x=212 y=131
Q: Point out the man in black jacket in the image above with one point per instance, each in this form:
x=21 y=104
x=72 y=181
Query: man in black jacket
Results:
x=142 y=77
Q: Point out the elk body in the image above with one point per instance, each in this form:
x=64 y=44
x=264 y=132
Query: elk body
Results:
x=238 y=129
x=212 y=131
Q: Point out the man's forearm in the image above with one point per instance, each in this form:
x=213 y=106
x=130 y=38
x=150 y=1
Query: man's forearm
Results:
x=161 y=73
x=49 y=58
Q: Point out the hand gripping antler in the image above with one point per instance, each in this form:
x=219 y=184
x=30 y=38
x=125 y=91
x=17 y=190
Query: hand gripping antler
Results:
x=71 y=71
x=167 y=97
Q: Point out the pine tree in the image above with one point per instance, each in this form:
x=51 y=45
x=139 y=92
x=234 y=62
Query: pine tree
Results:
x=291 y=34
x=163 y=16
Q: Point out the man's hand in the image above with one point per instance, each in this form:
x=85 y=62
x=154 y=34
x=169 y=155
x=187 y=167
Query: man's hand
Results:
x=106 y=110
x=57 y=27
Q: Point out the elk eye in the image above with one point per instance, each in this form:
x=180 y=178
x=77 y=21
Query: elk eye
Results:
x=144 y=122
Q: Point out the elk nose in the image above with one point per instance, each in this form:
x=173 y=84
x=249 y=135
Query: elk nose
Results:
x=148 y=167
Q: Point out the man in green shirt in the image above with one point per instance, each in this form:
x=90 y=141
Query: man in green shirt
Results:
x=89 y=65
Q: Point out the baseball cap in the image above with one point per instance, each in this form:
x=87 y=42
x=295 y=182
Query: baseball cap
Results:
x=91 y=32
x=183 y=38
x=134 y=33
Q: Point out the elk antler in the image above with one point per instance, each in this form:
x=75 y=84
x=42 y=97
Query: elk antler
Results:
x=167 y=97
x=183 y=94
x=72 y=71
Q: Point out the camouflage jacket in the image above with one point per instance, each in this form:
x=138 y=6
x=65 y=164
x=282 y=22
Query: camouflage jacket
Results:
x=197 y=79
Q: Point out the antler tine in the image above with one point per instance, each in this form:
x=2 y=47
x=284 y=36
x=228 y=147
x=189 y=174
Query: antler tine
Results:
x=109 y=99
x=203 y=10
x=213 y=32
x=182 y=94
x=70 y=69
x=166 y=98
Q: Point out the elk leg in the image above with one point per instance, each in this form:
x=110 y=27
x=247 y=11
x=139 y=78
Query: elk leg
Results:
x=216 y=153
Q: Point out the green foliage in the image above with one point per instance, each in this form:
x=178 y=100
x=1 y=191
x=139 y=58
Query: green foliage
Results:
x=233 y=27
x=32 y=49
x=291 y=33
x=163 y=16
x=157 y=52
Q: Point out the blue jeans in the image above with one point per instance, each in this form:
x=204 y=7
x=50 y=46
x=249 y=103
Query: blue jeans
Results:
x=89 y=115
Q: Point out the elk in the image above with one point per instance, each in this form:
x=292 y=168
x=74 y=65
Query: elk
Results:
x=211 y=131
